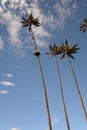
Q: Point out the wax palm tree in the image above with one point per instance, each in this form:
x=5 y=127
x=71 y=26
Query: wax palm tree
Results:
x=83 y=26
x=68 y=51
x=29 y=21
x=54 y=51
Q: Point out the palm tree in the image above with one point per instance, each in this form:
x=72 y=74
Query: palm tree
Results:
x=54 y=51
x=29 y=21
x=83 y=26
x=69 y=50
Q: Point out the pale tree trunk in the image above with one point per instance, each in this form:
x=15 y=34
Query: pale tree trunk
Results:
x=78 y=90
x=35 y=45
x=37 y=54
x=63 y=101
x=45 y=95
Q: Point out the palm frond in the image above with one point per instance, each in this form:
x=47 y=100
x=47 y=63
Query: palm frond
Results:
x=54 y=50
x=74 y=46
x=83 y=25
x=71 y=56
x=23 y=18
x=29 y=21
x=63 y=55
x=23 y=22
x=36 y=23
x=25 y=25
x=68 y=50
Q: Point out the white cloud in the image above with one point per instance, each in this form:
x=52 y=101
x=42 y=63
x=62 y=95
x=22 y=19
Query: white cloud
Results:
x=12 y=22
x=9 y=75
x=19 y=67
x=1 y=10
x=41 y=32
x=65 y=1
x=5 y=83
x=40 y=35
x=3 y=3
x=1 y=44
x=65 y=10
x=13 y=29
x=2 y=92
x=14 y=129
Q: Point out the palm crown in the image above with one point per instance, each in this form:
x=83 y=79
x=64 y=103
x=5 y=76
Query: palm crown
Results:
x=83 y=26
x=29 y=21
x=54 y=50
x=68 y=50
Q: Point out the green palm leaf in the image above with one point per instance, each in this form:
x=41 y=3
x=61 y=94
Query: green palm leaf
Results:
x=83 y=25
x=29 y=21
x=68 y=50
x=63 y=55
x=54 y=50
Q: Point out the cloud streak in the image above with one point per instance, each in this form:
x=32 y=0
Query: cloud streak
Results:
x=1 y=44
x=3 y=92
x=15 y=129
x=9 y=75
x=5 y=83
x=65 y=9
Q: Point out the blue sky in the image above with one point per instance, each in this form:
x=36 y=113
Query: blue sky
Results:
x=22 y=105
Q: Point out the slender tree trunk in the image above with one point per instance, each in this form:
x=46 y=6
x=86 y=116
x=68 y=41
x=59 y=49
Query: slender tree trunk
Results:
x=45 y=95
x=35 y=45
x=61 y=89
x=37 y=53
x=78 y=90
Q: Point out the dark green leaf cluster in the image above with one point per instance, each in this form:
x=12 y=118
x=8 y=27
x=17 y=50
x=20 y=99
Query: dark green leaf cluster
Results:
x=68 y=50
x=54 y=50
x=29 y=21
x=64 y=49
x=83 y=26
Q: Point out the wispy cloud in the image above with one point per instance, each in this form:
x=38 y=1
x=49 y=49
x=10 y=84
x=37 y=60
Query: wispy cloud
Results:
x=1 y=44
x=52 y=16
x=19 y=66
x=14 y=129
x=9 y=75
x=13 y=26
x=65 y=9
x=3 y=92
x=5 y=83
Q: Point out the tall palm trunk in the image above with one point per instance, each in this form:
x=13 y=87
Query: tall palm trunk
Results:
x=78 y=90
x=35 y=45
x=45 y=95
x=37 y=53
x=61 y=89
